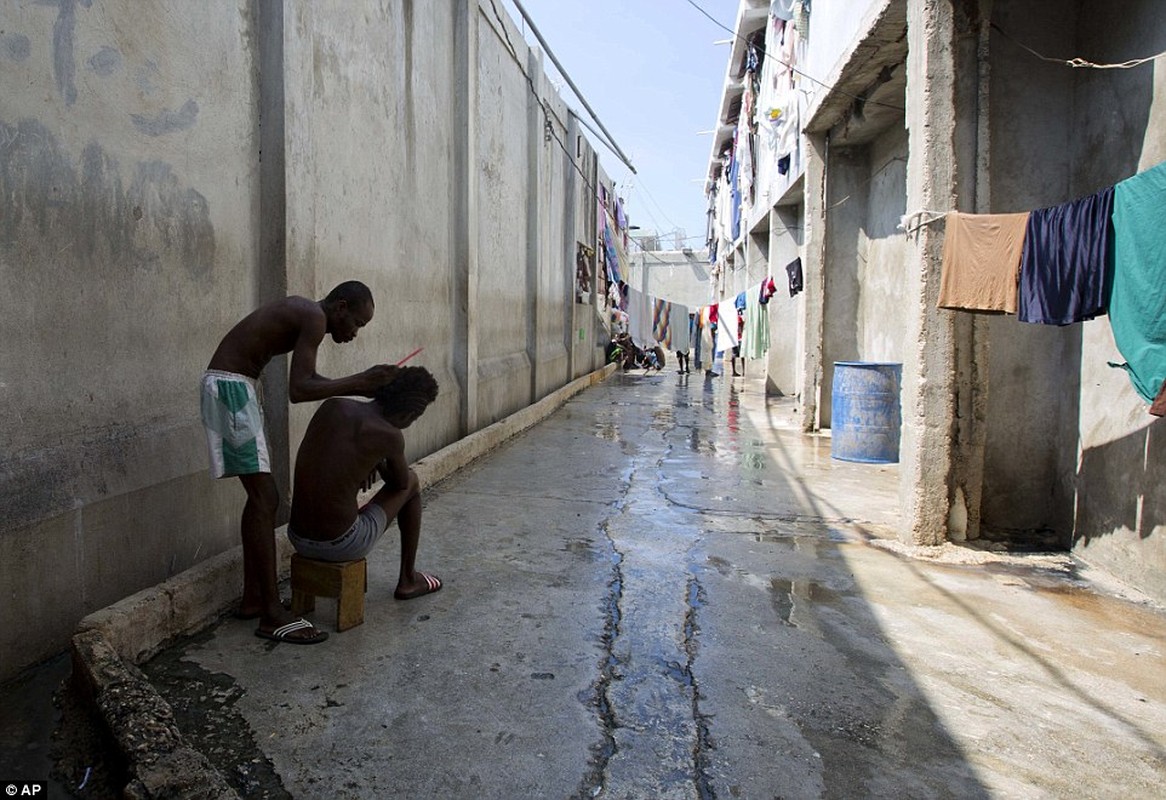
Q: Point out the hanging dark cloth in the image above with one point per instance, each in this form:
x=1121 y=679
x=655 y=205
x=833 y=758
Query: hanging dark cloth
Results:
x=794 y=271
x=1063 y=267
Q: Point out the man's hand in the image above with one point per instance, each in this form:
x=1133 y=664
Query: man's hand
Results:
x=377 y=376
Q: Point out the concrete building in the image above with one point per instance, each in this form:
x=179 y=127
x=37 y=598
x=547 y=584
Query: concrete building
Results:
x=166 y=167
x=909 y=109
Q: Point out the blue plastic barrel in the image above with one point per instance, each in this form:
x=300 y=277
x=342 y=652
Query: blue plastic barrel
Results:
x=865 y=416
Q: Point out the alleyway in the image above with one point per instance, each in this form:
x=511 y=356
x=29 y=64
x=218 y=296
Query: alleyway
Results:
x=666 y=591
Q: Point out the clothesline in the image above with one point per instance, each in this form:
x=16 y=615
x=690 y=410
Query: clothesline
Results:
x=1097 y=255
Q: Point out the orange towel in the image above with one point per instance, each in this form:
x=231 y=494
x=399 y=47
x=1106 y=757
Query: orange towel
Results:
x=981 y=261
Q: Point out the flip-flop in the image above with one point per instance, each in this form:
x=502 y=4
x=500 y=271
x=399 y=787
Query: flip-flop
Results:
x=280 y=634
x=432 y=584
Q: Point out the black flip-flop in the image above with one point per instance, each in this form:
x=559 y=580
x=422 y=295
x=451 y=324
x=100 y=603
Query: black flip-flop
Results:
x=280 y=634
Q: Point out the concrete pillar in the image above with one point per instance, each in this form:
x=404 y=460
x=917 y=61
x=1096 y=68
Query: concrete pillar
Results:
x=536 y=119
x=570 y=237
x=814 y=278
x=464 y=278
x=937 y=458
x=271 y=274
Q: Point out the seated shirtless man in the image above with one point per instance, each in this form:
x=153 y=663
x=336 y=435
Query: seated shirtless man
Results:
x=346 y=442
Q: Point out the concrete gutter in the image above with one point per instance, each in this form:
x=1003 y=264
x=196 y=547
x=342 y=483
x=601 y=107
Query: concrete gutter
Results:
x=109 y=644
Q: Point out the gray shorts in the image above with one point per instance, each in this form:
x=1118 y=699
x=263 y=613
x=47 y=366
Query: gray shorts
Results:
x=354 y=543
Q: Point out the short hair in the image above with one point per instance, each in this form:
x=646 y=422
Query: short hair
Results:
x=354 y=293
x=410 y=393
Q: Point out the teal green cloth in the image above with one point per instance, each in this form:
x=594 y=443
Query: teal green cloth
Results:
x=756 y=340
x=1137 y=306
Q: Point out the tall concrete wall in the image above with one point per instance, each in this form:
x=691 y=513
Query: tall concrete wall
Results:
x=167 y=167
x=129 y=186
x=786 y=326
x=1087 y=449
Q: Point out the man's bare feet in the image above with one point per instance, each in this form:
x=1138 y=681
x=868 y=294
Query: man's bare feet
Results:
x=422 y=584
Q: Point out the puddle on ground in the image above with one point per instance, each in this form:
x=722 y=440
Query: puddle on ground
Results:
x=787 y=594
x=204 y=708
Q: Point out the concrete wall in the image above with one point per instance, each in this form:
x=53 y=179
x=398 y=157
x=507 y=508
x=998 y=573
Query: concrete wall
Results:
x=146 y=209
x=128 y=174
x=681 y=276
x=1071 y=446
x=786 y=314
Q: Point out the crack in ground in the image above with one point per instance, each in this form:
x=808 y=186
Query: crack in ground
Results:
x=704 y=743
x=599 y=696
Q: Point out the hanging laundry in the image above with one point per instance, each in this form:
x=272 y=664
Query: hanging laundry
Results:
x=613 y=272
x=1063 y=269
x=699 y=330
x=662 y=322
x=727 y=337
x=735 y=193
x=981 y=261
x=755 y=343
x=678 y=326
x=1137 y=306
x=783 y=9
x=801 y=18
x=793 y=271
x=768 y=290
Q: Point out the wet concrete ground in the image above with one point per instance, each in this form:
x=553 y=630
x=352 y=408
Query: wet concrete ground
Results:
x=667 y=591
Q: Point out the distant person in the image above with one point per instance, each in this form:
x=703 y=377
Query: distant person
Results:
x=236 y=439
x=345 y=443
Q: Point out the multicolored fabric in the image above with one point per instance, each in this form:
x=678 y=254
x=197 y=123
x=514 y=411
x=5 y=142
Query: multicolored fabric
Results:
x=236 y=442
x=662 y=322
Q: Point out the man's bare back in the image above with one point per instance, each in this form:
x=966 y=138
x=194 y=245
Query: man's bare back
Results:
x=297 y=325
x=345 y=441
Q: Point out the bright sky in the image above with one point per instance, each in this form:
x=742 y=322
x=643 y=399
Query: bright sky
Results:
x=653 y=75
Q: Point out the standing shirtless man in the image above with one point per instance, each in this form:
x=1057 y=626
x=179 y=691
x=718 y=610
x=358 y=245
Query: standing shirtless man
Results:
x=234 y=424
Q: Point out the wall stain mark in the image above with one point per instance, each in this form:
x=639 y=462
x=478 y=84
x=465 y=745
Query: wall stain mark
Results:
x=167 y=121
x=105 y=61
x=15 y=46
x=89 y=217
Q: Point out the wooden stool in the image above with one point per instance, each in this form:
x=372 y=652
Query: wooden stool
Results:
x=347 y=581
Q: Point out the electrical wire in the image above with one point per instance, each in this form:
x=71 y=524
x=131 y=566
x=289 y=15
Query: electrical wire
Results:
x=1077 y=63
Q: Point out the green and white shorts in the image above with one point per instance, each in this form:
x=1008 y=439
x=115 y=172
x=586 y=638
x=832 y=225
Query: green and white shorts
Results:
x=234 y=425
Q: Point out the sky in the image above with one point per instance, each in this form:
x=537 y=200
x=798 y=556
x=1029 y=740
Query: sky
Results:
x=653 y=73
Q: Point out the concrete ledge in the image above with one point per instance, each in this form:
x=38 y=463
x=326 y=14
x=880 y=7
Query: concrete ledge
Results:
x=108 y=644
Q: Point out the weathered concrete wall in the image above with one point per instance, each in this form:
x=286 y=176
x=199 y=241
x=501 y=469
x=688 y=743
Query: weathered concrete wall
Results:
x=681 y=276
x=1070 y=448
x=847 y=174
x=1121 y=456
x=400 y=146
x=786 y=314
x=128 y=178
x=1033 y=376
x=882 y=252
x=1075 y=450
